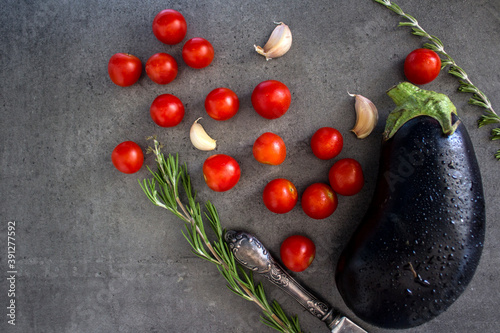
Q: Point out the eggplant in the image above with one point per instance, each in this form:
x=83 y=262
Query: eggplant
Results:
x=419 y=244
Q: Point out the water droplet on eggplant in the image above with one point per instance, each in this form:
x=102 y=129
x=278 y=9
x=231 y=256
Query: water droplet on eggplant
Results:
x=435 y=209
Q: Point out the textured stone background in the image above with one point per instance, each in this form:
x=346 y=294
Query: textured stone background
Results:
x=93 y=255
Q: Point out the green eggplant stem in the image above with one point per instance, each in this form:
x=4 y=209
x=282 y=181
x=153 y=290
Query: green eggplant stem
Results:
x=411 y=102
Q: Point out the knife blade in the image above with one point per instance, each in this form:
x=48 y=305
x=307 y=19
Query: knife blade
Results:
x=251 y=254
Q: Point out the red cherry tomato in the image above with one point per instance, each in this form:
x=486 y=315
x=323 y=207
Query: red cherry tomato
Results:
x=297 y=252
x=124 y=69
x=269 y=148
x=280 y=196
x=127 y=157
x=346 y=177
x=169 y=26
x=167 y=110
x=221 y=172
x=161 y=68
x=271 y=99
x=222 y=104
x=198 y=52
x=327 y=143
x=422 y=66
x=319 y=201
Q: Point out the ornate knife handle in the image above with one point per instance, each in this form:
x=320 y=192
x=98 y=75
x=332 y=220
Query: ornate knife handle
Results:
x=250 y=253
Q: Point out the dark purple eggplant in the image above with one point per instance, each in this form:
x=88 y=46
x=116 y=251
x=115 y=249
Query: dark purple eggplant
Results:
x=419 y=244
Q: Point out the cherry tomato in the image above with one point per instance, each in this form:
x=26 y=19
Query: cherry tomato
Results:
x=319 y=201
x=327 y=143
x=269 y=148
x=124 y=69
x=167 y=110
x=346 y=177
x=280 y=196
x=169 y=26
x=127 y=157
x=222 y=104
x=422 y=66
x=221 y=172
x=271 y=99
x=161 y=68
x=297 y=252
x=198 y=52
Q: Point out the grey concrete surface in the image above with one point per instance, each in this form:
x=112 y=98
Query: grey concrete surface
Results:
x=93 y=255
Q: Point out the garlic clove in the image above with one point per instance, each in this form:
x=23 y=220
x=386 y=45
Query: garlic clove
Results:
x=366 y=116
x=199 y=137
x=278 y=44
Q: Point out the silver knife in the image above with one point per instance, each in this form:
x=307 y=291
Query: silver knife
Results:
x=250 y=253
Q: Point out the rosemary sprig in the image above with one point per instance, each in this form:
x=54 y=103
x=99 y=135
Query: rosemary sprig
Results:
x=465 y=84
x=163 y=190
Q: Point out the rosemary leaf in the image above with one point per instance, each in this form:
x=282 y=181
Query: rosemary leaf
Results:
x=432 y=47
x=476 y=100
x=259 y=291
x=405 y=24
x=293 y=323
x=488 y=119
x=231 y=282
x=188 y=237
x=495 y=134
x=437 y=41
x=468 y=88
x=419 y=32
x=277 y=309
x=269 y=323
x=241 y=295
x=296 y=323
x=445 y=62
x=395 y=8
x=409 y=17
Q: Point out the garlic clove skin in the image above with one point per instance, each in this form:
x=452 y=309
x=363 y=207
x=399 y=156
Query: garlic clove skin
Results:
x=366 y=116
x=278 y=44
x=199 y=137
